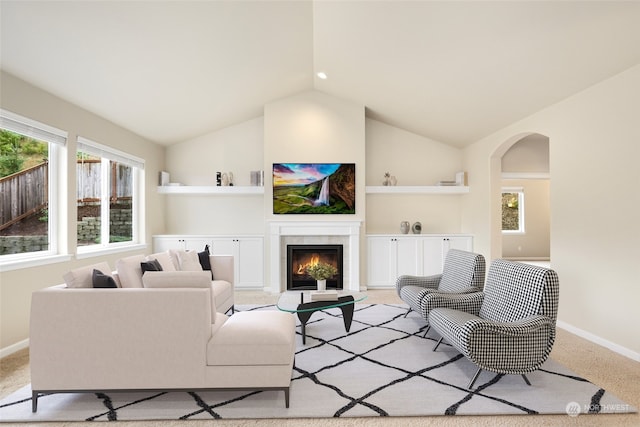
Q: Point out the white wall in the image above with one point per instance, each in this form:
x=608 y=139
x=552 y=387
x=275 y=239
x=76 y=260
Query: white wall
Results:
x=16 y=286
x=237 y=149
x=413 y=160
x=594 y=150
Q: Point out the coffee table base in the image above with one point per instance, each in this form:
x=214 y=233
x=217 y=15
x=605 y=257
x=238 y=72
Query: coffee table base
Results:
x=304 y=316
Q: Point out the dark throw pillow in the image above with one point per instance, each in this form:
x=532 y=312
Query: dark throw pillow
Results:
x=153 y=265
x=101 y=280
x=205 y=262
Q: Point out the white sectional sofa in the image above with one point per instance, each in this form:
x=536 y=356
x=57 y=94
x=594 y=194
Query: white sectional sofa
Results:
x=167 y=334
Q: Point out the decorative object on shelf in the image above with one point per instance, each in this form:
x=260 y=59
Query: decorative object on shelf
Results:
x=225 y=179
x=163 y=178
x=321 y=272
x=387 y=179
x=218 y=179
x=462 y=178
x=257 y=178
x=416 y=228
x=393 y=180
x=404 y=227
x=230 y=175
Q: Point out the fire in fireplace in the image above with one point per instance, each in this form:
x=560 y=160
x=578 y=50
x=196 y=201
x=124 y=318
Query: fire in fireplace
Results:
x=299 y=257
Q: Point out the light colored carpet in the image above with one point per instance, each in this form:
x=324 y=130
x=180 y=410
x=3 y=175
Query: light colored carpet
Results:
x=613 y=372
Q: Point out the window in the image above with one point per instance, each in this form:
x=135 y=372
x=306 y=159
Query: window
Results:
x=512 y=210
x=107 y=182
x=29 y=160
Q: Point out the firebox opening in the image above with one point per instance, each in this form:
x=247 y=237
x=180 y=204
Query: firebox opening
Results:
x=299 y=257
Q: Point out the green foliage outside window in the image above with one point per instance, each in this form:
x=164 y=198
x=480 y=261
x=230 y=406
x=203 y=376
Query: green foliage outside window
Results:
x=510 y=212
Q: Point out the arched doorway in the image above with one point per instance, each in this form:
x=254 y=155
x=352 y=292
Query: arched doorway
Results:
x=520 y=170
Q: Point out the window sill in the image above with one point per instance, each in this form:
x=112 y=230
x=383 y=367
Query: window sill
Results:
x=90 y=252
x=18 y=264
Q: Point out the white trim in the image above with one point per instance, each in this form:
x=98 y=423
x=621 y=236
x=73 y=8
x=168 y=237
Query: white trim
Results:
x=348 y=229
x=600 y=341
x=36 y=260
x=14 y=348
x=31 y=128
x=91 y=147
x=526 y=175
x=416 y=189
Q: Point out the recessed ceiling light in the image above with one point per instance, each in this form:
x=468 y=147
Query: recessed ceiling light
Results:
x=322 y=75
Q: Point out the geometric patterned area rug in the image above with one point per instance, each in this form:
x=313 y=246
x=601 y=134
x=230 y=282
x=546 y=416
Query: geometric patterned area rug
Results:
x=383 y=367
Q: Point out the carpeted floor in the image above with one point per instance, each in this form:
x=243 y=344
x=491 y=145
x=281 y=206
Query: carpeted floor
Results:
x=614 y=373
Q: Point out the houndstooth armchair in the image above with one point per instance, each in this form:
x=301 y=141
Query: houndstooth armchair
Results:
x=459 y=285
x=514 y=330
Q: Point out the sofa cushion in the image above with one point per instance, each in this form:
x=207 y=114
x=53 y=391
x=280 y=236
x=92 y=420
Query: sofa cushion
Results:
x=181 y=279
x=222 y=290
x=83 y=277
x=150 y=265
x=176 y=279
x=253 y=338
x=102 y=280
x=164 y=258
x=129 y=271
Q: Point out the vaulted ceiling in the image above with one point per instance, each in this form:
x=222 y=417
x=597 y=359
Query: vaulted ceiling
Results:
x=453 y=71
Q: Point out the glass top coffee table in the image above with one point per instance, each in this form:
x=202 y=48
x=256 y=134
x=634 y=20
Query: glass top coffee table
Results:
x=304 y=305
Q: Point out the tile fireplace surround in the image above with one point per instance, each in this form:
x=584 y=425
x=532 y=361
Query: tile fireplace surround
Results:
x=346 y=233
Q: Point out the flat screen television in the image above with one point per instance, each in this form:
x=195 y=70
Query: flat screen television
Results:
x=314 y=188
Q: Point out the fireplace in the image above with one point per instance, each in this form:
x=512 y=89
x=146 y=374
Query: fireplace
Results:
x=301 y=256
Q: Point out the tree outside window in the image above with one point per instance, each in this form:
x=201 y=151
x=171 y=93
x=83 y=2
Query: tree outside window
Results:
x=513 y=211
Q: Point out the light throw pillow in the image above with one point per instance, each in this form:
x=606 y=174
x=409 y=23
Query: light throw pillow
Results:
x=189 y=261
x=101 y=280
x=164 y=258
x=83 y=277
x=129 y=271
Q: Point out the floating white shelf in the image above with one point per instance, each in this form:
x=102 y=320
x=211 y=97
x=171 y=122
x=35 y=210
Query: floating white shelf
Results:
x=417 y=189
x=212 y=190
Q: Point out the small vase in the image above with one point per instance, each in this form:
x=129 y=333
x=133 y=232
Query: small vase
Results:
x=322 y=285
x=404 y=227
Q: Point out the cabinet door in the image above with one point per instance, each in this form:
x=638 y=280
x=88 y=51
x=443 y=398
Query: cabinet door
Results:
x=250 y=262
x=196 y=243
x=432 y=256
x=407 y=257
x=380 y=262
x=463 y=243
x=223 y=246
x=162 y=244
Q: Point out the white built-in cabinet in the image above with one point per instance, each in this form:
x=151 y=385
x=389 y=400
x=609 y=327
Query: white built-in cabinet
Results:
x=392 y=255
x=247 y=251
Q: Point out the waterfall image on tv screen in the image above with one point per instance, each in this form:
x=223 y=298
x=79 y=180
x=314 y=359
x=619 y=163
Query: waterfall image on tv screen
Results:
x=314 y=188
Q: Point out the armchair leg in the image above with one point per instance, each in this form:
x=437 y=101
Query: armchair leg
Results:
x=475 y=377
x=426 y=331
x=407 y=313
x=526 y=380
x=437 y=344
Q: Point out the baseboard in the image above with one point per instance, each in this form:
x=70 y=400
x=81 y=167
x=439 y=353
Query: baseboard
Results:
x=7 y=351
x=600 y=341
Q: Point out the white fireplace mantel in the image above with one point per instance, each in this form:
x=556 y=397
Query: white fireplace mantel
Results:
x=281 y=229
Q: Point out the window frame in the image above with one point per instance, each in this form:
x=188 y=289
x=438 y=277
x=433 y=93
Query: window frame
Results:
x=56 y=140
x=106 y=155
x=521 y=202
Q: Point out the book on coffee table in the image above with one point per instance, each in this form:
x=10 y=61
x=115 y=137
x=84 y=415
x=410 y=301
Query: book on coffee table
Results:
x=330 y=295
